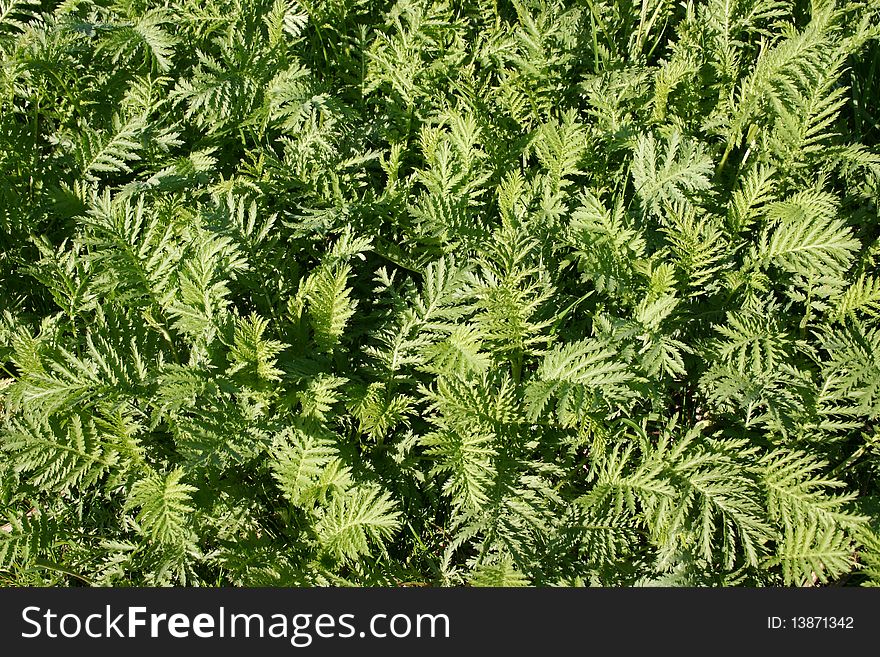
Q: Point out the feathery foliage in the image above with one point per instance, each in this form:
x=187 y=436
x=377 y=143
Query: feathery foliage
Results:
x=521 y=293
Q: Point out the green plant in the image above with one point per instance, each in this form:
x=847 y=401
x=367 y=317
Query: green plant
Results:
x=521 y=292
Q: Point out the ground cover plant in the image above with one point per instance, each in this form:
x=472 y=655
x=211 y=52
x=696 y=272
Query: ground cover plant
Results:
x=477 y=292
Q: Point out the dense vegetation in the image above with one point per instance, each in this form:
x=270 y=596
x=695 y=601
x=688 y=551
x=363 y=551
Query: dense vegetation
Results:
x=480 y=292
